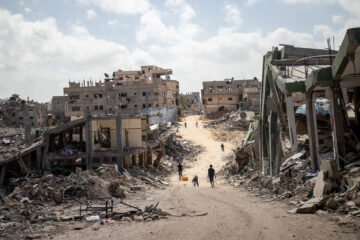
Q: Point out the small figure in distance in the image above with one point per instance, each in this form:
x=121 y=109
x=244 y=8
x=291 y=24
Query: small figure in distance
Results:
x=180 y=168
x=195 y=181
x=222 y=146
x=196 y=124
x=185 y=124
x=211 y=175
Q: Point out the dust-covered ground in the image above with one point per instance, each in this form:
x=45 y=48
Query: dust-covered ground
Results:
x=217 y=213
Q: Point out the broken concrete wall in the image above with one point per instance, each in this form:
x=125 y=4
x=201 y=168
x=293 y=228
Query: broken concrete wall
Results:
x=132 y=133
x=161 y=115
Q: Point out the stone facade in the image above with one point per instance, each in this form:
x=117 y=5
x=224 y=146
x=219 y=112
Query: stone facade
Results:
x=228 y=95
x=15 y=112
x=127 y=92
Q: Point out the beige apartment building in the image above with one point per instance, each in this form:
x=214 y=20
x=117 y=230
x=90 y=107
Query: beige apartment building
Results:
x=127 y=92
x=228 y=95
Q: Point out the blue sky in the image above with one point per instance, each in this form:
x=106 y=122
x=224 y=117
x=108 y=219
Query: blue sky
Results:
x=46 y=43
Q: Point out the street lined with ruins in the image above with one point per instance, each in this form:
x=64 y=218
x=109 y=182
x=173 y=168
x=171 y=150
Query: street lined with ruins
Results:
x=180 y=119
x=231 y=213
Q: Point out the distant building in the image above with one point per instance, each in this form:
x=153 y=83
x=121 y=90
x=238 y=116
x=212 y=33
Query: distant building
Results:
x=15 y=112
x=57 y=109
x=191 y=102
x=127 y=92
x=229 y=94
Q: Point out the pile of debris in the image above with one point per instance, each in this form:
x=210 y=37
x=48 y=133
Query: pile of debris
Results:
x=32 y=199
x=12 y=141
x=178 y=149
x=235 y=120
x=327 y=189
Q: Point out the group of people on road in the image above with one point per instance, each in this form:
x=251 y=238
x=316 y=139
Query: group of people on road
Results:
x=196 y=124
x=195 y=180
x=211 y=170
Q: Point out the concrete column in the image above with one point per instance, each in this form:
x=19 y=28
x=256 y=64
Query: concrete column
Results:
x=291 y=122
x=312 y=131
x=273 y=141
x=119 y=146
x=88 y=137
x=45 y=160
x=337 y=125
x=38 y=157
x=264 y=130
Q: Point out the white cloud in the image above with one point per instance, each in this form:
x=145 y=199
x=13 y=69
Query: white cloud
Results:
x=152 y=27
x=21 y=3
x=251 y=2
x=37 y=55
x=90 y=14
x=309 y=1
x=181 y=8
x=233 y=15
x=337 y=18
x=112 y=22
x=40 y=58
x=27 y=10
x=324 y=30
x=227 y=54
x=120 y=6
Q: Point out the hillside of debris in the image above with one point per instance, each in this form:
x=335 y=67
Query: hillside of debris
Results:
x=30 y=203
x=336 y=192
x=231 y=127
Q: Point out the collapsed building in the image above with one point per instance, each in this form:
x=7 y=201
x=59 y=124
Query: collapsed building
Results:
x=87 y=142
x=127 y=92
x=305 y=143
x=16 y=112
x=229 y=95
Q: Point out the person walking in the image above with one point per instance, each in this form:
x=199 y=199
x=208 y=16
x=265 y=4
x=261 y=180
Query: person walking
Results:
x=185 y=124
x=222 y=146
x=196 y=124
x=195 y=181
x=211 y=175
x=180 y=169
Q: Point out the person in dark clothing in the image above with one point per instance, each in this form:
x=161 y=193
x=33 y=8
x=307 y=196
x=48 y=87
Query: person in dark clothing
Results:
x=195 y=181
x=211 y=175
x=222 y=146
x=180 y=168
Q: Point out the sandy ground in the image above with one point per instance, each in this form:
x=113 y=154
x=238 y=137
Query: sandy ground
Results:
x=231 y=213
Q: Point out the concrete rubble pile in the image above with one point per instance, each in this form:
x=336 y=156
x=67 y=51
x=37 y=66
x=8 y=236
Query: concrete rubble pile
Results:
x=179 y=149
x=235 y=120
x=327 y=189
x=37 y=199
x=12 y=141
x=34 y=201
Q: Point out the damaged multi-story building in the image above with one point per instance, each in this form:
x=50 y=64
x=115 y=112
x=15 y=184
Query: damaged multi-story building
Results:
x=126 y=92
x=310 y=97
x=229 y=94
x=16 y=112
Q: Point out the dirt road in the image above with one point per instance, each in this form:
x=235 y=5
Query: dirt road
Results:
x=231 y=213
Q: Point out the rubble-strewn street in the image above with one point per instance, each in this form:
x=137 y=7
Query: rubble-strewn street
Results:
x=221 y=213
x=42 y=206
x=180 y=119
